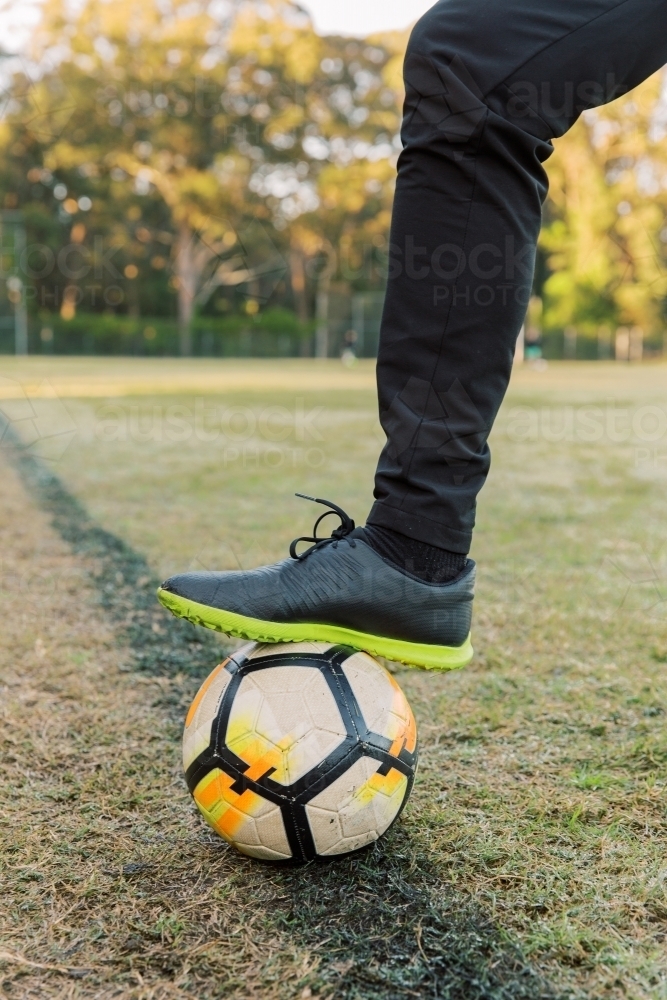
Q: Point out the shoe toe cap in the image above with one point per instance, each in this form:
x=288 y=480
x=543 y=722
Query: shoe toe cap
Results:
x=199 y=587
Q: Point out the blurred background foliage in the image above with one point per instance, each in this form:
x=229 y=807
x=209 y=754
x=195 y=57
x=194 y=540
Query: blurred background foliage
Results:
x=217 y=178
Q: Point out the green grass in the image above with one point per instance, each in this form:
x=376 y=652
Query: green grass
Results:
x=538 y=816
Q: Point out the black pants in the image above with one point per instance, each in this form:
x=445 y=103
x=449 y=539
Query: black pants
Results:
x=489 y=83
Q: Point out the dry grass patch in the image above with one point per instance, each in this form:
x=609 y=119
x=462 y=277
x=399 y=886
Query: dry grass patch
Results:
x=112 y=885
x=540 y=803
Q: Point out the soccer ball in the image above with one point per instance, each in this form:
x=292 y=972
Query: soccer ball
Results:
x=301 y=750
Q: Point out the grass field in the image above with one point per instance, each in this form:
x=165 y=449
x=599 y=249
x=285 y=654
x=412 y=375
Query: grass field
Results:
x=530 y=860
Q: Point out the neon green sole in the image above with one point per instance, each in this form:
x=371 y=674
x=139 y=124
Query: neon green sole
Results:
x=413 y=654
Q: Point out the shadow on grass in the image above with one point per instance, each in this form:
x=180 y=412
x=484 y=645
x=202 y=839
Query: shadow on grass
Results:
x=382 y=925
x=125 y=583
x=390 y=928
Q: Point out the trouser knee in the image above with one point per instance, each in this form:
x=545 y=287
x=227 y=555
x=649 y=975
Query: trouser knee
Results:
x=443 y=100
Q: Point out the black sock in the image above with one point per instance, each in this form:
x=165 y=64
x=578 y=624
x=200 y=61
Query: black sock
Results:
x=420 y=559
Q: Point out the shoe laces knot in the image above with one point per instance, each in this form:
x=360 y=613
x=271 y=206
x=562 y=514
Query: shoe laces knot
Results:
x=339 y=534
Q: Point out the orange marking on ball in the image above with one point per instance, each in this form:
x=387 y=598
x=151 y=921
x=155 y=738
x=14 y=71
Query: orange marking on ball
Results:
x=231 y=820
x=224 y=809
x=202 y=691
x=408 y=736
x=385 y=783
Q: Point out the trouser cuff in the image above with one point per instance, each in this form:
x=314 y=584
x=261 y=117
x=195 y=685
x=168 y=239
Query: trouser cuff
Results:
x=422 y=529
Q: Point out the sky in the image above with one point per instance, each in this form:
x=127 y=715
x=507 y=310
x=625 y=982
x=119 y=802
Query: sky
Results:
x=362 y=17
x=337 y=17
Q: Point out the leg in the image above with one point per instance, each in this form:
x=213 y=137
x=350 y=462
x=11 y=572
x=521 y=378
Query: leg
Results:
x=488 y=85
x=483 y=79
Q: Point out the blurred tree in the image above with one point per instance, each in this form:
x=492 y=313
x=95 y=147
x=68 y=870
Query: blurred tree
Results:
x=182 y=123
x=605 y=217
x=161 y=151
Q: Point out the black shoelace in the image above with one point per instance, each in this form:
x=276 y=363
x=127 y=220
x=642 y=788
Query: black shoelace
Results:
x=339 y=534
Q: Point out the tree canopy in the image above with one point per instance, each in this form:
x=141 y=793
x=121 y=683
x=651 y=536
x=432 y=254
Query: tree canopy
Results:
x=178 y=156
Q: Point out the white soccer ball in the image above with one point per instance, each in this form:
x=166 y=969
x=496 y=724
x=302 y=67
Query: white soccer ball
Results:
x=300 y=750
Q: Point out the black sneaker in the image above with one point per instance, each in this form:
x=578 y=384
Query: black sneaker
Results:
x=339 y=590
